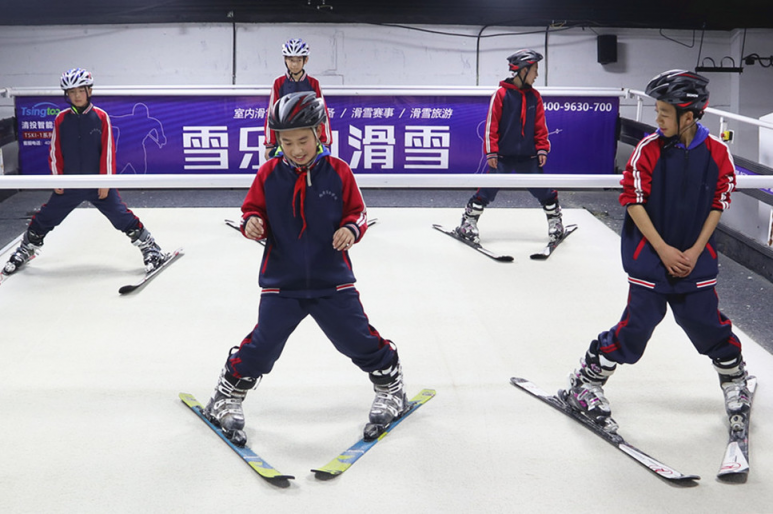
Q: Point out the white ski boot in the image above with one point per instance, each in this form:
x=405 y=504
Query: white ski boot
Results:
x=390 y=402
x=586 y=394
x=732 y=379
x=468 y=228
x=555 y=222
x=27 y=250
x=225 y=407
x=152 y=256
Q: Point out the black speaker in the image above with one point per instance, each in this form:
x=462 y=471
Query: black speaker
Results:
x=607 y=48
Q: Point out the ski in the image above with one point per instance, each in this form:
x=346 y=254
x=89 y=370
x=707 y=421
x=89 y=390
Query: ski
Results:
x=616 y=440
x=149 y=276
x=550 y=247
x=233 y=224
x=260 y=466
x=477 y=246
x=735 y=464
x=344 y=461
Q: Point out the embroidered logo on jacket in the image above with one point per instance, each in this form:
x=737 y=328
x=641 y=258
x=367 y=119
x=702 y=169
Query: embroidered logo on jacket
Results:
x=329 y=193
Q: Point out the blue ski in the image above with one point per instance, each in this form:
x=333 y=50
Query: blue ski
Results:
x=260 y=466
x=344 y=461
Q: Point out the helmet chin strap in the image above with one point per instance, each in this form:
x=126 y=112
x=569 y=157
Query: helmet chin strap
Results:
x=296 y=76
x=679 y=131
x=521 y=79
x=77 y=109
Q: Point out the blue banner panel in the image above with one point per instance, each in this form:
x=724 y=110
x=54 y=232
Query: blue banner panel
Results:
x=375 y=134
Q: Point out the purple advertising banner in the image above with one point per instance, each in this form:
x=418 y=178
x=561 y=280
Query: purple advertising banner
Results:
x=374 y=134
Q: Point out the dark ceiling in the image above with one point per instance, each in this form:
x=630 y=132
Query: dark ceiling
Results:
x=674 y=14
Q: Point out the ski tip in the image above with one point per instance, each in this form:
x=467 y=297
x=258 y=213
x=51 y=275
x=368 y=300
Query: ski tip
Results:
x=325 y=475
x=733 y=478
x=683 y=480
x=281 y=481
x=126 y=289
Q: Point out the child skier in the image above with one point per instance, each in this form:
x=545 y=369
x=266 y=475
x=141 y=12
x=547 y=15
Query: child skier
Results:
x=296 y=55
x=675 y=187
x=516 y=140
x=307 y=206
x=81 y=144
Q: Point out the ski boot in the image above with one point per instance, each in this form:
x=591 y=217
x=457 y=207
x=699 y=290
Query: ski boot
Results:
x=152 y=256
x=390 y=402
x=732 y=379
x=555 y=222
x=225 y=407
x=27 y=250
x=468 y=228
x=585 y=393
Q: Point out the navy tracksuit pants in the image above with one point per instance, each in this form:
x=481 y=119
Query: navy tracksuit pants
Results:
x=486 y=195
x=697 y=313
x=53 y=212
x=340 y=316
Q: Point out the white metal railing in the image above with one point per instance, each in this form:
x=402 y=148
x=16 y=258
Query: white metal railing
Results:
x=365 y=180
x=641 y=95
x=329 y=91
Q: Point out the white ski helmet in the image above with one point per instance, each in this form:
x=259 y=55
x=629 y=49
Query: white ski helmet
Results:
x=295 y=48
x=76 y=77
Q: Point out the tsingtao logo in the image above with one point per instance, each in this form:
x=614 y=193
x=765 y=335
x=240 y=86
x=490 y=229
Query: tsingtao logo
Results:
x=40 y=110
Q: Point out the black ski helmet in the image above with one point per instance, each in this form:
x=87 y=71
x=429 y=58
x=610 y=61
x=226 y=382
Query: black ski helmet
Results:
x=296 y=111
x=683 y=89
x=523 y=59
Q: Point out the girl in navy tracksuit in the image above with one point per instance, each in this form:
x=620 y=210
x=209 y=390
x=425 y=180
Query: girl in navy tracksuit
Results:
x=310 y=215
x=515 y=140
x=675 y=187
x=82 y=144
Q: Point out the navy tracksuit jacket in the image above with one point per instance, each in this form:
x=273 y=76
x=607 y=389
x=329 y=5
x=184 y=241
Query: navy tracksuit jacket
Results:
x=301 y=273
x=678 y=187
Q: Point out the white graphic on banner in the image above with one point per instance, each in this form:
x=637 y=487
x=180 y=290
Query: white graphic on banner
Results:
x=427 y=147
x=377 y=144
x=251 y=149
x=141 y=128
x=205 y=148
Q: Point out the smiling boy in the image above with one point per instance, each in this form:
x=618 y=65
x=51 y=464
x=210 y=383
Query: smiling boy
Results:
x=307 y=206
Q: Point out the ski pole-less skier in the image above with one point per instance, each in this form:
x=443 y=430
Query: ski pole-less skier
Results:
x=675 y=187
x=515 y=140
x=296 y=55
x=307 y=206
x=82 y=143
